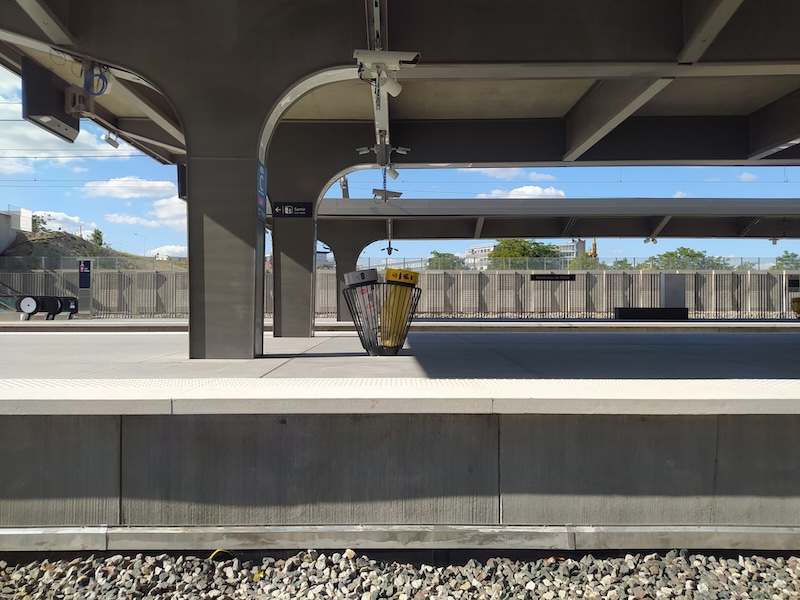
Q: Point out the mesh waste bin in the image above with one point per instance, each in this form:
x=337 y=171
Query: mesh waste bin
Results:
x=382 y=311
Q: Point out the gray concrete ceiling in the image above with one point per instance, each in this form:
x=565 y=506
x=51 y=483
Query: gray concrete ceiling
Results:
x=744 y=218
x=594 y=66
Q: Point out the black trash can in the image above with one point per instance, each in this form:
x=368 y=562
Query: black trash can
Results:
x=382 y=311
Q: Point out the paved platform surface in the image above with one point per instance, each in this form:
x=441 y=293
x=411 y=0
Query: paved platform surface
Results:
x=636 y=368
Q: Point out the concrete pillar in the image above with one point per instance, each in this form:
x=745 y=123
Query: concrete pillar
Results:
x=226 y=259
x=294 y=257
x=346 y=260
x=346 y=241
x=303 y=159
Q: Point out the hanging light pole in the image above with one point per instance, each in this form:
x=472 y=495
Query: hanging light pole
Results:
x=144 y=243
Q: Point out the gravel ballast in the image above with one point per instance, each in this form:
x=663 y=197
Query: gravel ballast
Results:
x=314 y=575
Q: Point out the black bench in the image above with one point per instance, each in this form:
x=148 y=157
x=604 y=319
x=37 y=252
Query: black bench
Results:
x=652 y=314
x=51 y=305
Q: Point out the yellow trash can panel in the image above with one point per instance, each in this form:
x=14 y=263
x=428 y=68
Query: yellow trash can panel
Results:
x=395 y=312
x=402 y=276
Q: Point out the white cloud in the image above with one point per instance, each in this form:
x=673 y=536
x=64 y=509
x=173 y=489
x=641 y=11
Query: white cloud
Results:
x=501 y=173
x=129 y=187
x=680 y=195
x=15 y=166
x=59 y=221
x=130 y=220
x=746 y=177
x=171 y=212
x=534 y=176
x=79 y=169
x=526 y=191
x=509 y=173
x=168 y=212
x=10 y=85
x=169 y=250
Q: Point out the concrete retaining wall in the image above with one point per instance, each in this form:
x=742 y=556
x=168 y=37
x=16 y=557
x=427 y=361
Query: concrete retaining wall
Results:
x=495 y=470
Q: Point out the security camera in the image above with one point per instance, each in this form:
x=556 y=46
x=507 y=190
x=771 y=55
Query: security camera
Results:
x=391 y=61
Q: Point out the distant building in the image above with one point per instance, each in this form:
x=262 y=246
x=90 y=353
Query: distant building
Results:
x=573 y=249
x=477 y=257
x=12 y=221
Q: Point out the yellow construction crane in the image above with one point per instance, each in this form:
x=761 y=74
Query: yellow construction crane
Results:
x=593 y=252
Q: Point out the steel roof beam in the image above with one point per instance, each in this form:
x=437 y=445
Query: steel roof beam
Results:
x=46 y=20
x=599 y=70
x=479 y=227
x=147 y=131
x=610 y=102
x=567 y=231
x=512 y=208
x=658 y=228
x=607 y=105
x=750 y=226
x=707 y=28
x=775 y=127
x=127 y=93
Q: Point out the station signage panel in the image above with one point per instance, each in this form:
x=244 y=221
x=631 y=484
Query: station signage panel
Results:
x=293 y=209
x=261 y=194
x=84 y=274
x=553 y=277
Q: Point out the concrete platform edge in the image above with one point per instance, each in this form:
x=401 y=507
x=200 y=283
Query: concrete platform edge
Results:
x=412 y=396
x=396 y=537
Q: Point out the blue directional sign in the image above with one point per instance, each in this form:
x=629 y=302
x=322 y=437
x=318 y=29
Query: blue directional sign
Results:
x=84 y=274
x=261 y=195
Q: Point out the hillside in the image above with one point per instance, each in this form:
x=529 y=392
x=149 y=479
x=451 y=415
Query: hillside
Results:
x=55 y=244
x=45 y=249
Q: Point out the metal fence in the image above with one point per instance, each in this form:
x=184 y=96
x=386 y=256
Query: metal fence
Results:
x=460 y=294
x=22 y=264
x=581 y=263
x=595 y=294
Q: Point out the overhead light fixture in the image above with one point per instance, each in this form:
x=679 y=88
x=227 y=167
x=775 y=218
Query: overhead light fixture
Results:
x=646 y=240
x=655 y=241
x=774 y=241
x=385 y=195
x=111 y=139
x=392 y=172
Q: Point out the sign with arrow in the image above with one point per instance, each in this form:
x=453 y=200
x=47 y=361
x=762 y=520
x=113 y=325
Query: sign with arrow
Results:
x=293 y=209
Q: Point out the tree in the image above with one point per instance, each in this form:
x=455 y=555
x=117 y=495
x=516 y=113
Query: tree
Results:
x=515 y=254
x=97 y=237
x=38 y=223
x=446 y=261
x=688 y=259
x=743 y=265
x=586 y=262
x=622 y=264
x=787 y=260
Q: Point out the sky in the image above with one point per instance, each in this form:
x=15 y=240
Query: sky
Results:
x=133 y=199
